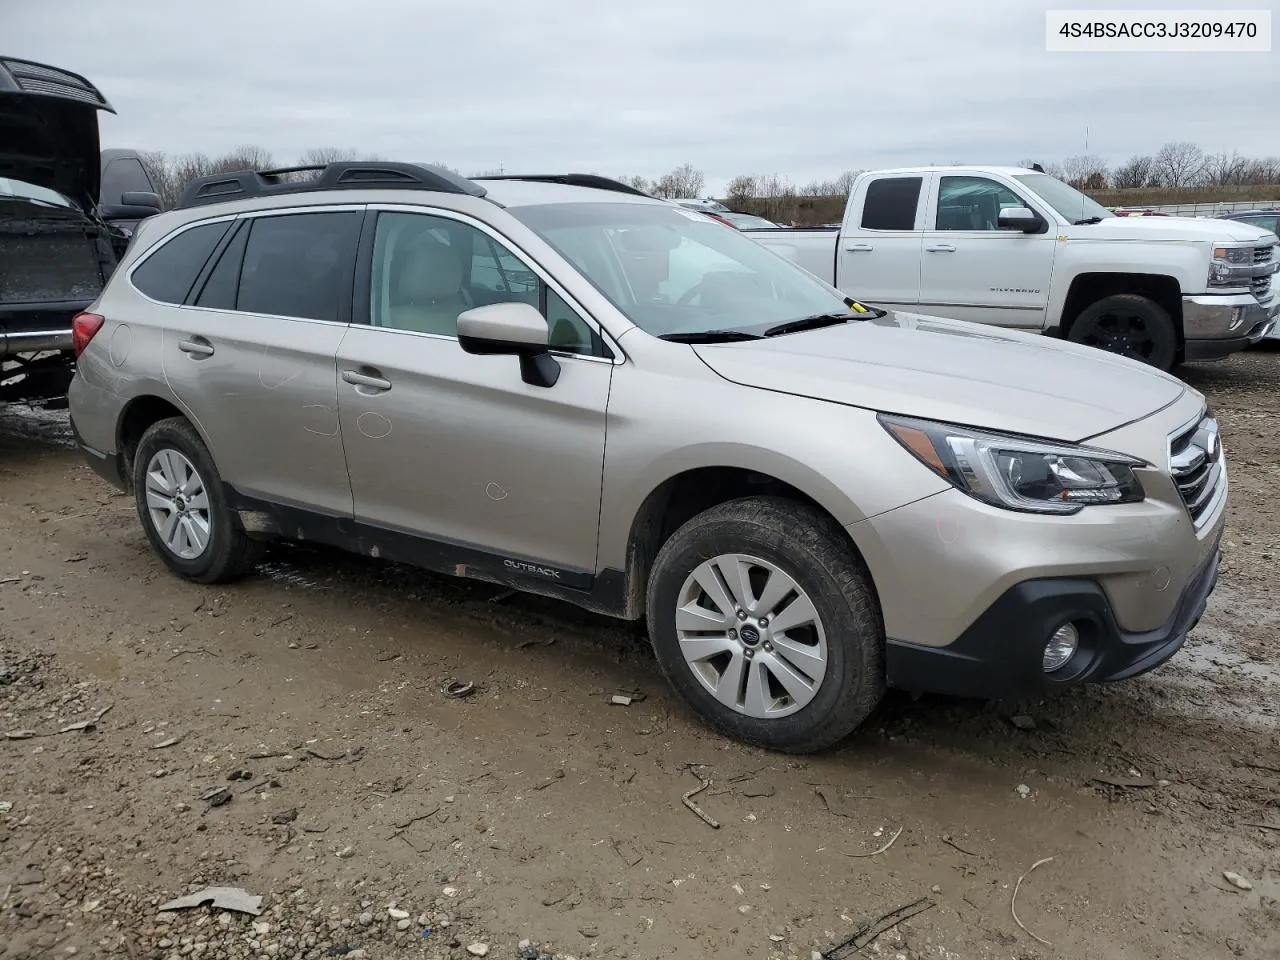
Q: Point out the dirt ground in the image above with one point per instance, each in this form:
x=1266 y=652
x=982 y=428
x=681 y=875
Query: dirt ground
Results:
x=377 y=817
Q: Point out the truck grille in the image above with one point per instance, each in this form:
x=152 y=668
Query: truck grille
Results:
x=1198 y=468
x=1263 y=254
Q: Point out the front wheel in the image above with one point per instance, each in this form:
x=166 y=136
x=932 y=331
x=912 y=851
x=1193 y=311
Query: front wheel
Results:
x=763 y=619
x=1130 y=325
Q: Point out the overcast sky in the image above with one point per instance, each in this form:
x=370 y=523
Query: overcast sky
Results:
x=801 y=88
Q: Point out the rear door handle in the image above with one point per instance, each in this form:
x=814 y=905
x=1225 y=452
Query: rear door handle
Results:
x=196 y=347
x=859 y=247
x=356 y=378
x=940 y=248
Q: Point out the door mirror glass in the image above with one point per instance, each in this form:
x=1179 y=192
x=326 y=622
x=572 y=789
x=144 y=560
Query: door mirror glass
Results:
x=1018 y=218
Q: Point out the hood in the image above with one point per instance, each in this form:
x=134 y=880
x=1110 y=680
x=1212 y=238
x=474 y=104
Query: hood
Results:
x=1170 y=229
x=49 y=129
x=958 y=372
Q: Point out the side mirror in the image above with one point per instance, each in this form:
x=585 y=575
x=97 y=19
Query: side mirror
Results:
x=134 y=205
x=511 y=329
x=1018 y=218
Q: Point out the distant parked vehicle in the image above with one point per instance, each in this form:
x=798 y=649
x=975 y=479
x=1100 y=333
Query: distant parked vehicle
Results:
x=747 y=221
x=1011 y=247
x=59 y=238
x=706 y=205
x=1266 y=219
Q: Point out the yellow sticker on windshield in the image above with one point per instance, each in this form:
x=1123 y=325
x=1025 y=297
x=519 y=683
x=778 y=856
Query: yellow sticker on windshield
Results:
x=856 y=307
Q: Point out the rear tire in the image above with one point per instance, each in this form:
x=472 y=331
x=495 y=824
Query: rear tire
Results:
x=798 y=686
x=1129 y=325
x=183 y=509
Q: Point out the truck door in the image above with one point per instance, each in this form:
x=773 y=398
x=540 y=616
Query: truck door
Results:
x=974 y=270
x=878 y=250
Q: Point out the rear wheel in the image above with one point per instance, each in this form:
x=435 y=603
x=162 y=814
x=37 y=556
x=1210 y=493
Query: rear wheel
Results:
x=182 y=507
x=763 y=619
x=1131 y=326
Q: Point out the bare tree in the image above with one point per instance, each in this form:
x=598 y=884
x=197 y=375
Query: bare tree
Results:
x=739 y=191
x=1084 y=170
x=639 y=182
x=244 y=157
x=684 y=181
x=1226 y=169
x=1179 y=164
x=1134 y=173
x=844 y=183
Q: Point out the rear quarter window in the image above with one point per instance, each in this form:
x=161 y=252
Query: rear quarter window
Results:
x=169 y=271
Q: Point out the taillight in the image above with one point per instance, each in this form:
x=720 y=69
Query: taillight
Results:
x=83 y=328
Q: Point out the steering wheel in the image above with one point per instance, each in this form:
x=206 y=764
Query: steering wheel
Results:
x=688 y=296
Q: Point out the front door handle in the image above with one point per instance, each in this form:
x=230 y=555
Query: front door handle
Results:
x=859 y=247
x=196 y=347
x=356 y=378
x=940 y=248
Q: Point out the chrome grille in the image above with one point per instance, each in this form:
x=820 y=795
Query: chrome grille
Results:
x=1198 y=468
x=1263 y=254
x=1260 y=287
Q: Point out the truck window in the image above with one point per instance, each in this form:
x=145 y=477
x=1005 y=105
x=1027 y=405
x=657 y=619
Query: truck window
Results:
x=972 y=203
x=891 y=204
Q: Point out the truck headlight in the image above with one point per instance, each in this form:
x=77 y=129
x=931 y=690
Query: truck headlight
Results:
x=1221 y=267
x=1018 y=473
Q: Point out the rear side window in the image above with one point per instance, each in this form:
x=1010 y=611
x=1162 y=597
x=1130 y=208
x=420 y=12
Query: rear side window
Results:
x=299 y=264
x=219 y=292
x=168 y=273
x=891 y=204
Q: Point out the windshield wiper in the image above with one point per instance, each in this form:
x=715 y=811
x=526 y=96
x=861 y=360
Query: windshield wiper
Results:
x=710 y=336
x=1086 y=221
x=808 y=323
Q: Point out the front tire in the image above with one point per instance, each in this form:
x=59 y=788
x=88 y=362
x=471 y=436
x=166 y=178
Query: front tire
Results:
x=763 y=619
x=182 y=507
x=1131 y=326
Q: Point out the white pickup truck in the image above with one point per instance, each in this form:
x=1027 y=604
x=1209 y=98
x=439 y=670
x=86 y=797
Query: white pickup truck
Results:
x=1018 y=248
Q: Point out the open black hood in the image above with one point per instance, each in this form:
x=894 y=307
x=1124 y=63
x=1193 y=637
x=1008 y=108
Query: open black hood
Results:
x=49 y=129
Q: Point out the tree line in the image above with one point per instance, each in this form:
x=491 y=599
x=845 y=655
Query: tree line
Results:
x=1178 y=165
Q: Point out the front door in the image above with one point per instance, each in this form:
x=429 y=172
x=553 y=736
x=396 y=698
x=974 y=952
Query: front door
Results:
x=453 y=455
x=973 y=270
x=252 y=357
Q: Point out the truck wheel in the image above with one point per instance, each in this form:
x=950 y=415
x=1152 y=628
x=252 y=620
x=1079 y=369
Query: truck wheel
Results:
x=183 y=509
x=1130 y=325
x=764 y=620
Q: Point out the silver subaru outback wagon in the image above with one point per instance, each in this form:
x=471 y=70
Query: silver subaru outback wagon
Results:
x=562 y=385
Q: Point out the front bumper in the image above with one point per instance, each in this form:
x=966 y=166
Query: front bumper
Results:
x=1000 y=654
x=1218 y=326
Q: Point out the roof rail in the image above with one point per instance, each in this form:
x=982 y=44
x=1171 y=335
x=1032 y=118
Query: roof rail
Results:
x=344 y=175
x=595 y=181
x=27 y=76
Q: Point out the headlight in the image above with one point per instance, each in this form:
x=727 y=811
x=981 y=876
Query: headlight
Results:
x=1016 y=473
x=1221 y=272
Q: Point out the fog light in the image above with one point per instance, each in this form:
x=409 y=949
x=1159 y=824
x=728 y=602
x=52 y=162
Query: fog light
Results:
x=1061 y=646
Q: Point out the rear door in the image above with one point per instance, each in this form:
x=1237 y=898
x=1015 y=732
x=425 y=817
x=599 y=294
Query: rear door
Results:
x=972 y=269
x=252 y=355
x=878 y=251
x=453 y=458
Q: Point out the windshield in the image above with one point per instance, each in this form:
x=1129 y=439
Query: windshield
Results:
x=673 y=271
x=29 y=191
x=1070 y=203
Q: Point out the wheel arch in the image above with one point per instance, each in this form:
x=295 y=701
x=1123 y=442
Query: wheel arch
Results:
x=137 y=415
x=684 y=495
x=1088 y=288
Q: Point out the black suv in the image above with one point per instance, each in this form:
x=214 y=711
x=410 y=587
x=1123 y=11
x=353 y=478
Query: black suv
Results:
x=59 y=241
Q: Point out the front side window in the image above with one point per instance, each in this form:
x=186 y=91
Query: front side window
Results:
x=168 y=273
x=972 y=203
x=672 y=271
x=429 y=269
x=299 y=264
